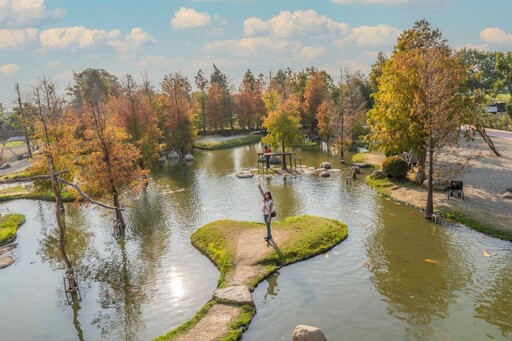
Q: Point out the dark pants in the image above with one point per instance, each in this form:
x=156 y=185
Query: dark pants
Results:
x=267 y=161
x=269 y=234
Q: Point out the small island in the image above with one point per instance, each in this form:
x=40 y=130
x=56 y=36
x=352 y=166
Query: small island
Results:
x=244 y=259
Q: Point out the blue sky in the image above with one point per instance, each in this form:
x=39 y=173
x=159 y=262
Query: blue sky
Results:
x=53 y=38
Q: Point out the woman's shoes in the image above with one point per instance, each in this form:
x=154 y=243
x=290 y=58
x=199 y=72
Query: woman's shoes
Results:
x=268 y=238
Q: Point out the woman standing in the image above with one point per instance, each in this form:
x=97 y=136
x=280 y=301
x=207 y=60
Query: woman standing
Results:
x=267 y=208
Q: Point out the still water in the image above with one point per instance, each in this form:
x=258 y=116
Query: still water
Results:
x=396 y=277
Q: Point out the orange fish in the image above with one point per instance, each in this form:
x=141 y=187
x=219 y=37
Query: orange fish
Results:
x=431 y=261
x=486 y=254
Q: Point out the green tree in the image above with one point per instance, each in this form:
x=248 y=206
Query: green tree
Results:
x=202 y=86
x=283 y=125
x=504 y=81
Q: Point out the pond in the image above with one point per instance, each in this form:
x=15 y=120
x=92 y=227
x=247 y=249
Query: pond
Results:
x=397 y=276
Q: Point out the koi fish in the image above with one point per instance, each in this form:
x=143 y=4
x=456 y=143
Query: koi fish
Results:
x=431 y=261
x=486 y=254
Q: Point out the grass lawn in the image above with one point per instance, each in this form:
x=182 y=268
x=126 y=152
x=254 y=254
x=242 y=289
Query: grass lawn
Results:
x=239 y=141
x=9 y=224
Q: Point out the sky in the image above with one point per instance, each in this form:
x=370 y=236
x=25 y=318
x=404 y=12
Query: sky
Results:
x=54 y=38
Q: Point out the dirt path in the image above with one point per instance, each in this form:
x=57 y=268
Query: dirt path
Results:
x=214 y=325
x=250 y=248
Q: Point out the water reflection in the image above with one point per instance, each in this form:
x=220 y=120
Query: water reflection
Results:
x=272 y=289
x=418 y=282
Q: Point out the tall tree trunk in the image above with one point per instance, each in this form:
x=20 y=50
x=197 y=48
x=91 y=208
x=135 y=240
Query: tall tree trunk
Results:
x=420 y=175
x=119 y=213
x=430 y=191
x=284 y=157
x=488 y=140
x=204 y=113
x=27 y=140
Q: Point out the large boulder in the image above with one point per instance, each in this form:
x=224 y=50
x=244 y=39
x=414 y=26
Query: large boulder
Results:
x=239 y=294
x=325 y=165
x=356 y=169
x=438 y=184
x=325 y=174
x=6 y=261
x=378 y=174
x=7 y=248
x=308 y=333
x=274 y=159
x=189 y=157
x=173 y=155
x=160 y=160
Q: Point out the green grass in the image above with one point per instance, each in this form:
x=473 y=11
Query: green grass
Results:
x=15 y=144
x=313 y=235
x=305 y=144
x=9 y=224
x=185 y=327
x=309 y=236
x=239 y=141
x=20 y=193
x=381 y=186
x=475 y=225
x=359 y=157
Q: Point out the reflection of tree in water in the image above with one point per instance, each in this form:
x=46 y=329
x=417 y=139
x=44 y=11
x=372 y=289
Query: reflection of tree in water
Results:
x=417 y=269
x=78 y=241
x=494 y=305
x=127 y=274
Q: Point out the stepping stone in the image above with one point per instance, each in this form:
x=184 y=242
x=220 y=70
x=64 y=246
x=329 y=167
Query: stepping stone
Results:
x=6 y=261
x=239 y=294
x=244 y=175
x=7 y=248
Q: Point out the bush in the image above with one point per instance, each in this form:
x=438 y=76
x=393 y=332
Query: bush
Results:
x=395 y=167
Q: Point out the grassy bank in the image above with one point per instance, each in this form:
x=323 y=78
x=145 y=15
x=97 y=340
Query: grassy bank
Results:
x=299 y=238
x=9 y=224
x=309 y=236
x=385 y=186
x=239 y=141
x=19 y=192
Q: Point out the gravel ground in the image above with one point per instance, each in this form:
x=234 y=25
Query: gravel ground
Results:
x=485 y=177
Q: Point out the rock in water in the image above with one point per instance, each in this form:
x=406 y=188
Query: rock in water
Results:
x=7 y=248
x=173 y=155
x=160 y=160
x=507 y=195
x=325 y=165
x=5 y=261
x=189 y=157
x=355 y=169
x=237 y=294
x=325 y=174
x=378 y=174
x=308 y=333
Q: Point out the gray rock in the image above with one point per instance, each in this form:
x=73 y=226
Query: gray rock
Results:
x=189 y=157
x=356 y=169
x=237 y=294
x=160 y=160
x=325 y=165
x=173 y=155
x=6 y=261
x=308 y=333
x=361 y=165
x=378 y=174
x=7 y=165
x=507 y=195
x=244 y=175
x=7 y=248
x=274 y=159
x=325 y=174
x=438 y=184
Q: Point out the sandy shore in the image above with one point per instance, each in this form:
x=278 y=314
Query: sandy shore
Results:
x=485 y=177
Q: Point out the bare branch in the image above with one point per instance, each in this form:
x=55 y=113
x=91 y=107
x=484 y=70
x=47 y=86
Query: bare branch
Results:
x=17 y=179
x=88 y=198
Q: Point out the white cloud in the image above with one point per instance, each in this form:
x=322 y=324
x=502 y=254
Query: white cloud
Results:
x=379 y=35
x=9 y=69
x=404 y=3
x=186 y=18
x=309 y=53
x=74 y=37
x=494 y=35
x=17 y=38
x=53 y=64
x=254 y=47
x=137 y=38
x=287 y=24
x=16 y=13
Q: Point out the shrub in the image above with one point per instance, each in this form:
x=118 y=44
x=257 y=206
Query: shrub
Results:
x=395 y=167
